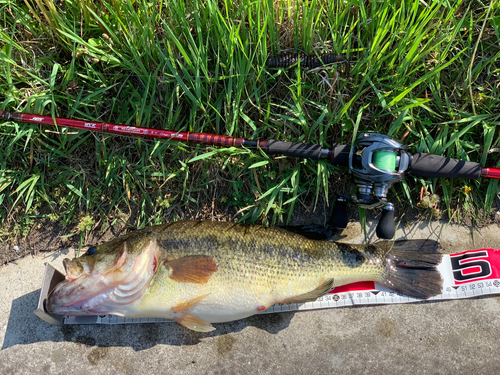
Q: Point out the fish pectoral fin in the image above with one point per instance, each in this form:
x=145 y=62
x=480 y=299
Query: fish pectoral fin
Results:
x=312 y=295
x=195 y=324
x=192 y=269
x=187 y=304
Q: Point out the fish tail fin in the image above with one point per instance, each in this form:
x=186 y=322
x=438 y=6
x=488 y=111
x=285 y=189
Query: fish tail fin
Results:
x=411 y=268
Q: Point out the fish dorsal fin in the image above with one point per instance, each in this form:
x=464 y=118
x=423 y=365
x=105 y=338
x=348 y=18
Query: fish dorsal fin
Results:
x=312 y=295
x=192 y=269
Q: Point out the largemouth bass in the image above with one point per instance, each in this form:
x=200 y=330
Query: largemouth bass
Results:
x=199 y=273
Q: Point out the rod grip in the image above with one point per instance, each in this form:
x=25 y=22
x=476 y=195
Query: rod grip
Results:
x=294 y=149
x=428 y=165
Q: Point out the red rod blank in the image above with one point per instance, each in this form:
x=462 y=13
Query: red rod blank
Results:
x=204 y=138
x=490 y=172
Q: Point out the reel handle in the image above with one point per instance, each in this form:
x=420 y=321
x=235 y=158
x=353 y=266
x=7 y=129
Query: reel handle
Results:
x=386 y=227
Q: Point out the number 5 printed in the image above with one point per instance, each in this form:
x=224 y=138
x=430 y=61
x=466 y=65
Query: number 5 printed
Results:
x=467 y=267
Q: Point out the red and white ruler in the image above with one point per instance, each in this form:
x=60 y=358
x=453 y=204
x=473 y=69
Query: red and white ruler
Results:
x=468 y=274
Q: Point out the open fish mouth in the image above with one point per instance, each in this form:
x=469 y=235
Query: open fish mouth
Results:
x=110 y=289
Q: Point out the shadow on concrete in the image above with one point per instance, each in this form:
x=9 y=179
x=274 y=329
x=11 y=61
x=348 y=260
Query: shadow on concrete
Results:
x=25 y=328
x=425 y=229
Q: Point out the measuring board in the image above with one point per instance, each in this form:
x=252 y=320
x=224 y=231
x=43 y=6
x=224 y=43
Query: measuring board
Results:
x=468 y=274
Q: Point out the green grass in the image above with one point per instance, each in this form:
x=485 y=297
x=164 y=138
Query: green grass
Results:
x=200 y=66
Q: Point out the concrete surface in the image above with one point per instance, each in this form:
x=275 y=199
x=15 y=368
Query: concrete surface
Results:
x=451 y=337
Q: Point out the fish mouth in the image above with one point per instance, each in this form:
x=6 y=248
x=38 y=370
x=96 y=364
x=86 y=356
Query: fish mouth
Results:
x=96 y=293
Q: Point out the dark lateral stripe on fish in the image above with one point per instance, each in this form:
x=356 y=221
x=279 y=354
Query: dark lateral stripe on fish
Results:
x=209 y=244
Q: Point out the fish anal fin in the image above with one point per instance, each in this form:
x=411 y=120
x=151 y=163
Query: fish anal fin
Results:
x=195 y=324
x=192 y=269
x=187 y=304
x=312 y=295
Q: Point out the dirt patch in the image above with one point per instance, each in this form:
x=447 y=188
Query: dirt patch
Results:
x=49 y=236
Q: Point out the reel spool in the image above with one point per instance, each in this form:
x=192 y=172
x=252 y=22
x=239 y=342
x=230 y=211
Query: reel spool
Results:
x=376 y=161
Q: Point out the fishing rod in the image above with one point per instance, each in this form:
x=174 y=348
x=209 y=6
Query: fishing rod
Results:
x=375 y=160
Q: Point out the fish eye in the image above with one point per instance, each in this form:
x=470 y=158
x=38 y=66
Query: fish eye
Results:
x=91 y=251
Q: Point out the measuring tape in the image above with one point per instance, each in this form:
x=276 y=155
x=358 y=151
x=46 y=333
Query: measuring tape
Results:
x=469 y=274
